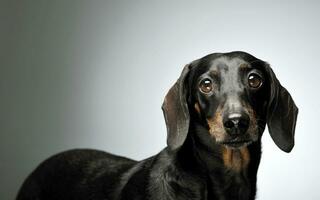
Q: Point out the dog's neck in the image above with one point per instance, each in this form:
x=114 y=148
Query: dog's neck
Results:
x=231 y=170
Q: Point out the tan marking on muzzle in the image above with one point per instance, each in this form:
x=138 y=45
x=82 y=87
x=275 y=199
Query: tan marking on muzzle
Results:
x=236 y=159
x=197 y=108
x=216 y=128
x=253 y=126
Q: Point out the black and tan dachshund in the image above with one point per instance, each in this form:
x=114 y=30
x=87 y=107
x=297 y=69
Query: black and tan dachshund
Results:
x=215 y=115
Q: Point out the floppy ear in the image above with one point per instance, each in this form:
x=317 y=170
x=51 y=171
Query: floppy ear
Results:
x=176 y=113
x=281 y=115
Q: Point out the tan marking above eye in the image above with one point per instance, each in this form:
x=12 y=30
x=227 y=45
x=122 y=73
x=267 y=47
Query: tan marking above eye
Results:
x=214 y=73
x=244 y=66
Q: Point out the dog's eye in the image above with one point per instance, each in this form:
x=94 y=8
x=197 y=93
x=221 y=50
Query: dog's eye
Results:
x=205 y=86
x=254 y=80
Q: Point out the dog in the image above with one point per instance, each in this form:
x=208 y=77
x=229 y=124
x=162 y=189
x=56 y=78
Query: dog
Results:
x=215 y=115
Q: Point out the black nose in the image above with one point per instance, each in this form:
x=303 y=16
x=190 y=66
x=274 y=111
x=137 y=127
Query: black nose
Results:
x=236 y=124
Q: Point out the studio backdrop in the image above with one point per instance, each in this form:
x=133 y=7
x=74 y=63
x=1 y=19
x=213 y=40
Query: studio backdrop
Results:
x=93 y=74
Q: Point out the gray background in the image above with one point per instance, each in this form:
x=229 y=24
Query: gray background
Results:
x=93 y=74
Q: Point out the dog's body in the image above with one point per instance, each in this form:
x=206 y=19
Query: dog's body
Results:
x=215 y=115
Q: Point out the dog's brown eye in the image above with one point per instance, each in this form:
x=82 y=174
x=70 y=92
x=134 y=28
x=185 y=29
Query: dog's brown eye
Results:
x=206 y=86
x=254 y=80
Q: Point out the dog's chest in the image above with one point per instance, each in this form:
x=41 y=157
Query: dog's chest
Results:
x=236 y=160
x=233 y=185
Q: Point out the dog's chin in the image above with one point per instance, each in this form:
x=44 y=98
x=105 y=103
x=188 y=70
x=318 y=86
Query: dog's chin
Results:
x=236 y=144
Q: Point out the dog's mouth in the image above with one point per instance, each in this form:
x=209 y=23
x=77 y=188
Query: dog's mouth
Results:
x=236 y=143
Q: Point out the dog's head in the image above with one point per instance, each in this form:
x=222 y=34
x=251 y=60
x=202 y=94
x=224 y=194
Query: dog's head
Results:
x=233 y=95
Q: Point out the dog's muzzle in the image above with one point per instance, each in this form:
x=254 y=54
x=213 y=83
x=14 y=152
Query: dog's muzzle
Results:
x=236 y=126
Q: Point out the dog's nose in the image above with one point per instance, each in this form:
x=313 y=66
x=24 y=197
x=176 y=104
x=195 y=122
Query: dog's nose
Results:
x=236 y=123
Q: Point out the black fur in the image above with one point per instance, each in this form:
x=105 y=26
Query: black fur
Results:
x=192 y=166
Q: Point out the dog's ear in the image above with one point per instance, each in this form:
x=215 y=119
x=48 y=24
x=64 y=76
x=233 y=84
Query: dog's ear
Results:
x=176 y=113
x=281 y=114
